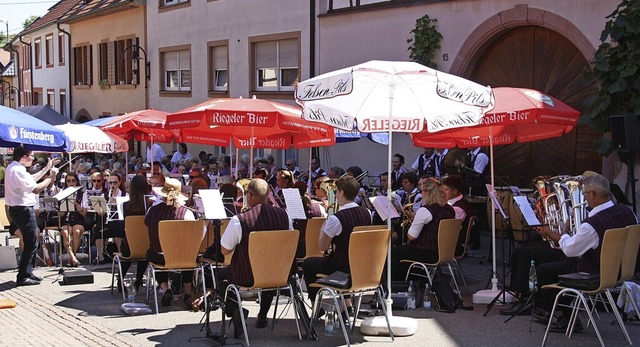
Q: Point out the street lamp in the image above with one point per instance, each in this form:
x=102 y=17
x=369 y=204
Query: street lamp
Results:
x=135 y=55
x=12 y=91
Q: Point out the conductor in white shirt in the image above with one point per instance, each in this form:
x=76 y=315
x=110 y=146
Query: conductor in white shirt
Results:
x=158 y=153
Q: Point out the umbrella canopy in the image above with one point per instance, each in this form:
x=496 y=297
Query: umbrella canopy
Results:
x=251 y=123
x=46 y=114
x=20 y=128
x=385 y=96
x=81 y=138
x=519 y=115
x=143 y=125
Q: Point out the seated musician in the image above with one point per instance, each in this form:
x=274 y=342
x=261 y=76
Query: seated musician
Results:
x=452 y=186
x=172 y=208
x=409 y=194
x=422 y=244
x=259 y=216
x=585 y=244
x=136 y=206
x=115 y=228
x=284 y=180
x=73 y=222
x=94 y=221
x=336 y=232
x=311 y=210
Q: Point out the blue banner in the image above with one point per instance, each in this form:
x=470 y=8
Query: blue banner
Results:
x=20 y=128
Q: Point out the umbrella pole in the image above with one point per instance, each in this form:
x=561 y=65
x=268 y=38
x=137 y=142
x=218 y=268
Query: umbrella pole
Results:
x=251 y=154
x=400 y=326
x=237 y=158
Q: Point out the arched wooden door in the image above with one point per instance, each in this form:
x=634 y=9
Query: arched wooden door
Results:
x=542 y=59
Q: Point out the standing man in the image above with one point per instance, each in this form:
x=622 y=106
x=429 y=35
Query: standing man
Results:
x=158 y=153
x=426 y=163
x=397 y=162
x=477 y=179
x=316 y=170
x=259 y=216
x=21 y=195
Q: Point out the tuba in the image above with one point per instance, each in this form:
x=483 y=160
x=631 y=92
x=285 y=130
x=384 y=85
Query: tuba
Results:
x=242 y=184
x=329 y=188
x=578 y=209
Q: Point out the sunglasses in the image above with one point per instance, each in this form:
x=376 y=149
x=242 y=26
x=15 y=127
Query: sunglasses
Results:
x=96 y=180
x=113 y=182
x=71 y=181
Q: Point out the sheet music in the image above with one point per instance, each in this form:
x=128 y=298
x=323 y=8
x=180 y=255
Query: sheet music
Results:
x=120 y=200
x=522 y=202
x=515 y=191
x=99 y=204
x=292 y=198
x=496 y=204
x=381 y=204
x=63 y=194
x=210 y=202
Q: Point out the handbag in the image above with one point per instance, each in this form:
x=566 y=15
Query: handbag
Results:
x=337 y=279
x=580 y=280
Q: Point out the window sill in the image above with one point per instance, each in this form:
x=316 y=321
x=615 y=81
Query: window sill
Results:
x=170 y=93
x=218 y=94
x=125 y=86
x=164 y=8
x=273 y=95
x=82 y=86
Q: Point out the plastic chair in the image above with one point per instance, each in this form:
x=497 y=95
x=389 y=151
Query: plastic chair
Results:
x=367 y=256
x=312 y=235
x=613 y=244
x=448 y=233
x=458 y=257
x=628 y=265
x=180 y=241
x=138 y=240
x=271 y=255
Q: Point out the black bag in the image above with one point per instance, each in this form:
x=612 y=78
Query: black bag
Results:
x=446 y=299
x=337 y=279
x=580 y=280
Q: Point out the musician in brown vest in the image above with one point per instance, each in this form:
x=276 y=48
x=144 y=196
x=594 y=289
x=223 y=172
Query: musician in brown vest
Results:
x=336 y=232
x=172 y=208
x=259 y=216
x=423 y=233
x=585 y=243
x=452 y=186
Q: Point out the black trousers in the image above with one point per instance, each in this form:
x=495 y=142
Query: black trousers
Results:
x=548 y=273
x=541 y=253
x=317 y=265
x=24 y=218
x=141 y=265
x=406 y=252
x=224 y=278
x=161 y=277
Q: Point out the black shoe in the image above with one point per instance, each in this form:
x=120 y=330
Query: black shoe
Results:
x=237 y=322
x=261 y=322
x=101 y=262
x=320 y=313
x=119 y=283
x=541 y=315
x=517 y=308
x=167 y=297
x=35 y=278
x=346 y=315
x=137 y=284
x=27 y=282
x=560 y=325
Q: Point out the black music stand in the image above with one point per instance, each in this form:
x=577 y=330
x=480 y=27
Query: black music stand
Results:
x=50 y=205
x=98 y=205
x=65 y=205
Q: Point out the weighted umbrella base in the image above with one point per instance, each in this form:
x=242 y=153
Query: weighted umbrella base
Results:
x=486 y=297
x=377 y=326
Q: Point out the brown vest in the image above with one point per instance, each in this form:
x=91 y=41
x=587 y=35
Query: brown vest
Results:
x=349 y=219
x=260 y=217
x=428 y=238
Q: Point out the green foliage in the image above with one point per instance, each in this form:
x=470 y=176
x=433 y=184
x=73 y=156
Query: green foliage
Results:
x=615 y=70
x=29 y=20
x=425 y=42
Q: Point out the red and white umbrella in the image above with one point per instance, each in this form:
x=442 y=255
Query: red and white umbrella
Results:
x=81 y=138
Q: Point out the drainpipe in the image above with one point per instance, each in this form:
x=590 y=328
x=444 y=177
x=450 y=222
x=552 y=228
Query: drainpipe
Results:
x=16 y=65
x=312 y=39
x=30 y=69
x=69 y=67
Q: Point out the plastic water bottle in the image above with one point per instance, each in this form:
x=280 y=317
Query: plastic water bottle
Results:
x=411 y=297
x=131 y=291
x=330 y=323
x=533 y=279
x=426 y=299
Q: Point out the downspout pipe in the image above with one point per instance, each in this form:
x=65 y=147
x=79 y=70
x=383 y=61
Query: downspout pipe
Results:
x=30 y=69
x=312 y=39
x=16 y=64
x=69 y=67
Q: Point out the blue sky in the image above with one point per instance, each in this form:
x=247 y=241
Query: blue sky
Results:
x=16 y=11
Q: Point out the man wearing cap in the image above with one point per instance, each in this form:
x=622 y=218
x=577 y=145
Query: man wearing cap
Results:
x=259 y=216
x=22 y=192
x=172 y=208
x=585 y=243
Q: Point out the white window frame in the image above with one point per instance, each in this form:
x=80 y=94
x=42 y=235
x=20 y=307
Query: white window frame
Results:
x=219 y=55
x=281 y=63
x=181 y=68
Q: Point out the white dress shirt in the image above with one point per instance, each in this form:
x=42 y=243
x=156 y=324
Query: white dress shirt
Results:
x=19 y=186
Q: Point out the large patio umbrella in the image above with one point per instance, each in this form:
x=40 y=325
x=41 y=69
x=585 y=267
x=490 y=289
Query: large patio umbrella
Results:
x=20 y=128
x=388 y=97
x=81 y=138
x=250 y=123
x=519 y=115
x=142 y=125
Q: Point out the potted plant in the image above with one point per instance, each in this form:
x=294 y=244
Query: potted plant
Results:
x=104 y=83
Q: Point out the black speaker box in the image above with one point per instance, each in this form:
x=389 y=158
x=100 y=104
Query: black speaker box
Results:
x=624 y=132
x=77 y=276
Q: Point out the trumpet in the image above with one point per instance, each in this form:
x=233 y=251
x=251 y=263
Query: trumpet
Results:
x=329 y=187
x=301 y=174
x=407 y=215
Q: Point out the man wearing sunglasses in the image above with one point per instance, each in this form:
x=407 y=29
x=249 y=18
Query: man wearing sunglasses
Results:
x=21 y=196
x=96 y=222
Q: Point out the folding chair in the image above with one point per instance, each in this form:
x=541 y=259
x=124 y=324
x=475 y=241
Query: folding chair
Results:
x=180 y=241
x=271 y=255
x=458 y=257
x=613 y=244
x=138 y=240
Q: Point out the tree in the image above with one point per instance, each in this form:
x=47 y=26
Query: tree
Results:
x=425 y=42
x=29 y=20
x=614 y=70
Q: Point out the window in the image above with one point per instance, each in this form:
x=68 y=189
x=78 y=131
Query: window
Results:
x=219 y=68
x=61 y=49
x=37 y=96
x=103 y=62
x=51 y=98
x=63 y=102
x=49 y=49
x=276 y=64
x=83 y=73
x=172 y=2
x=126 y=61
x=37 y=52
x=177 y=70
